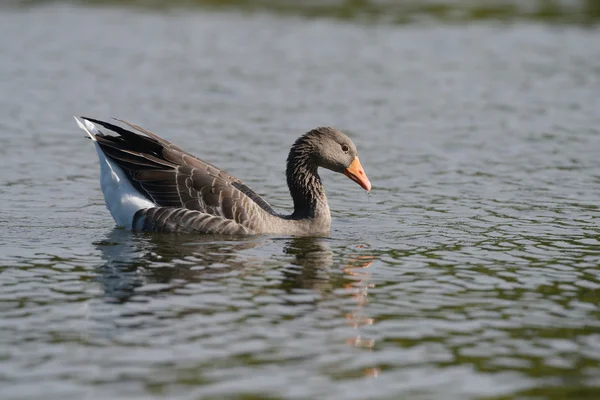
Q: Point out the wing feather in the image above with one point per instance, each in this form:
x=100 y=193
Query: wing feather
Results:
x=207 y=197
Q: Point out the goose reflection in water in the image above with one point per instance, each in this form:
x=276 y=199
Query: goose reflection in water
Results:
x=132 y=261
x=358 y=289
x=166 y=263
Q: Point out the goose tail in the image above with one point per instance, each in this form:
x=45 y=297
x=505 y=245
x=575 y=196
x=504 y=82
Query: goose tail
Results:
x=88 y=127
x=121 y=198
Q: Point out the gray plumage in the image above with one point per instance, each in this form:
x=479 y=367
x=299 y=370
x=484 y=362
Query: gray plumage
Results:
x=194 y=196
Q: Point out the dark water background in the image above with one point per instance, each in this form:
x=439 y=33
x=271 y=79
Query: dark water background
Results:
x=471 y=271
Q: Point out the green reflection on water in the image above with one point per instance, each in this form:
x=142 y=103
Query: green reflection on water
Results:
x=399 y=11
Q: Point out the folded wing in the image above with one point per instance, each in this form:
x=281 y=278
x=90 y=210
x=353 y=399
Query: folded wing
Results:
x=209 y=199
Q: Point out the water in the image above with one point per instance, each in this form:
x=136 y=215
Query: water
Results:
x=471 y=271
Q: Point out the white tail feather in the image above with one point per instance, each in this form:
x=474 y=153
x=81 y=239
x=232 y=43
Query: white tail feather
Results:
x=121 y=198
x=82 y=126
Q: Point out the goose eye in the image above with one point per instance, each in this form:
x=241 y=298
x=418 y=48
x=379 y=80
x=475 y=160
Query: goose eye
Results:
x=345 y=148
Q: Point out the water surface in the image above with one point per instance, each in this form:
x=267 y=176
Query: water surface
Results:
x=471 y=271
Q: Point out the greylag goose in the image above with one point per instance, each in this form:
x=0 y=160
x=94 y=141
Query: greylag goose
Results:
x=150 y=184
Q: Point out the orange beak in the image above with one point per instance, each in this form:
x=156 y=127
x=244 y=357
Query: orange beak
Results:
x=357 y=174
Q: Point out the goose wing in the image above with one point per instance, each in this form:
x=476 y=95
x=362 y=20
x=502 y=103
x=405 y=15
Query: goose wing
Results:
x=208 y=198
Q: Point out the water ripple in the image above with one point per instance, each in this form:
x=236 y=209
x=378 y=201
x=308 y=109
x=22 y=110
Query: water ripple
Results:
x=470 y=271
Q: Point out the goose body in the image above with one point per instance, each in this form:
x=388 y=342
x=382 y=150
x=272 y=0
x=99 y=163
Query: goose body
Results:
x=149 y=184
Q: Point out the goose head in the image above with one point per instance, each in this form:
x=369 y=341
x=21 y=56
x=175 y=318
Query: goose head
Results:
x=331 y=149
